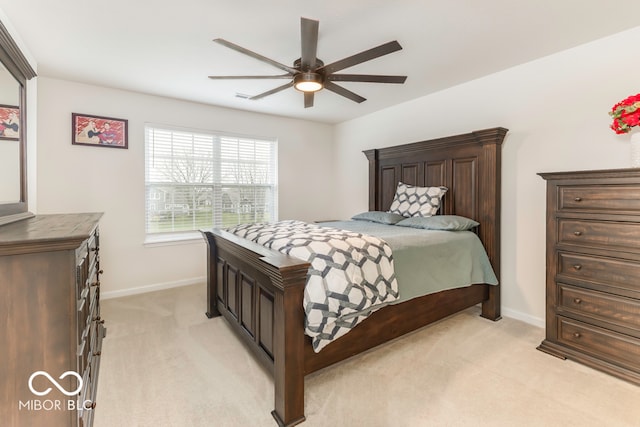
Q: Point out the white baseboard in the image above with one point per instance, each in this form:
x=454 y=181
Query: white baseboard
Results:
x=507 y=312
x=527 y=318
x=151 y=288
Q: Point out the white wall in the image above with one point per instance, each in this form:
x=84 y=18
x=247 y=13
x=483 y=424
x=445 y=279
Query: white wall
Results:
x=556 y=109
x=74 y=178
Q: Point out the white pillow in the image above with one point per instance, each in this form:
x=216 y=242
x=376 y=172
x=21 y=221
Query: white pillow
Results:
x=410 y=200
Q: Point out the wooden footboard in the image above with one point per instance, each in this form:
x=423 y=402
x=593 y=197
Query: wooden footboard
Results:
x=260 y=293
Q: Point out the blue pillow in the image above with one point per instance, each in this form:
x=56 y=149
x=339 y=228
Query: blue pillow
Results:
x=378 y=216
x=439 y=222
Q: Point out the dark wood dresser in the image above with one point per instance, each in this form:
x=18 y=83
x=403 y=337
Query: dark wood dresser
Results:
x=593 y=269
x=50 y=326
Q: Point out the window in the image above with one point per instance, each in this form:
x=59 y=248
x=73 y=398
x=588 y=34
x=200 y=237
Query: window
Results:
x=199 y=180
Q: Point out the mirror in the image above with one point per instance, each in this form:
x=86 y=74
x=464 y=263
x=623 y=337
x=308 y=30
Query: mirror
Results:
x=9 y=138
x=14 y=73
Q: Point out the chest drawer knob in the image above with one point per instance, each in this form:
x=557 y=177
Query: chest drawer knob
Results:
x=578 y=199
x=577 y=300
x=89 y=405
x=577 y=233
x=577 y=335
x=577 y=267
x=97 y=353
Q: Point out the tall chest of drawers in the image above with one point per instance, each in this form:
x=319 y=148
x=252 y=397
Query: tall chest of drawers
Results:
x=50 y=326
x=593 y=269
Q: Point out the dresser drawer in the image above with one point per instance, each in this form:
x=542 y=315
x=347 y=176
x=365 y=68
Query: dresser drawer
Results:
x=599 y=305
x=602 y=343
x=611 y=235
x=609 y=272
x=603 y=198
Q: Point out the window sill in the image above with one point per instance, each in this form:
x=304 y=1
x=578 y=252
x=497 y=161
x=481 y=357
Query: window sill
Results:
x=185 y=238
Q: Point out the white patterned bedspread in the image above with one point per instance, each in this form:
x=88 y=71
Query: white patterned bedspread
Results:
x=351 y=274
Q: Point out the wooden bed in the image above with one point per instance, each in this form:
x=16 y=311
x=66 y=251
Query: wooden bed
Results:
x=260 y=291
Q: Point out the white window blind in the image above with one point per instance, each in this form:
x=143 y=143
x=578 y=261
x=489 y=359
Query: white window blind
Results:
x=199 y=180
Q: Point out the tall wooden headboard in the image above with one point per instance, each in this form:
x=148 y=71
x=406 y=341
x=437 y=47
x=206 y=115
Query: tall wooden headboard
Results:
x=468 y=165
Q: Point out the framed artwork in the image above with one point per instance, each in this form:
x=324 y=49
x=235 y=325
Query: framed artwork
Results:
x=98 y=131
x=9 y=122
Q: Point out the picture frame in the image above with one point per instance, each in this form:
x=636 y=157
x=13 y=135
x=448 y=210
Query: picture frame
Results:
x=99 y=131
x=9 y=122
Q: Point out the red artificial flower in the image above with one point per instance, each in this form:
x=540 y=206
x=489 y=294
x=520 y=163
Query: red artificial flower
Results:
x=626 y=114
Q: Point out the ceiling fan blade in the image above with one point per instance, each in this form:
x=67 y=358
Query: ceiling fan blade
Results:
x=369 y=78
x=272 y=91
x=361 y=57
x=308 y=99
x=344 y=92
x=255 y=55
x=309 y=42
x=279 y=76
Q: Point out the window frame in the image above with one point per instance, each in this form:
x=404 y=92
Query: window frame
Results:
x=218 y=184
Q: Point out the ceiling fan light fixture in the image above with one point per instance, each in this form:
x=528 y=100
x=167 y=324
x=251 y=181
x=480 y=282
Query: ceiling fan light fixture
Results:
x=308 y=82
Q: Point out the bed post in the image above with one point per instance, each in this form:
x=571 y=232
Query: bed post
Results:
x=288 y=343
x=212 y=275
x=489 y=209
x=372 y=156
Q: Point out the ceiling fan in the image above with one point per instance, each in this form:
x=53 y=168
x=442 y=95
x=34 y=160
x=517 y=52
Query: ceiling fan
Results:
x=309 y=74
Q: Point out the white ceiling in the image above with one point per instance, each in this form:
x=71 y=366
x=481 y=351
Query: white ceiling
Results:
x=164 y=47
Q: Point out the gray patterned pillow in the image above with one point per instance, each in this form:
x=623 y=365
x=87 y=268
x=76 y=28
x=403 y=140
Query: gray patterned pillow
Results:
x=416 y=201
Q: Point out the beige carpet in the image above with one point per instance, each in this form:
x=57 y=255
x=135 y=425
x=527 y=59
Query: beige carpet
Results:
x=165 y=364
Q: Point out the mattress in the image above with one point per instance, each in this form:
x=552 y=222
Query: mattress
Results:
x=429 y=261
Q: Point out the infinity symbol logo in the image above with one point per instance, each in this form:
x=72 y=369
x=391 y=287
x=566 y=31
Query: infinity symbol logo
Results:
x=55 y=383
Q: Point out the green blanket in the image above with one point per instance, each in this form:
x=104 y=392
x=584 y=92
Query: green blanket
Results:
x=429 y=261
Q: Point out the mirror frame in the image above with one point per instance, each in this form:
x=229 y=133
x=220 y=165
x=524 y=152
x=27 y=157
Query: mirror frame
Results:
x=18 y=66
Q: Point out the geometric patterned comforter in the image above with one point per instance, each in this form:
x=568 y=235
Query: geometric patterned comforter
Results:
x=351 y=274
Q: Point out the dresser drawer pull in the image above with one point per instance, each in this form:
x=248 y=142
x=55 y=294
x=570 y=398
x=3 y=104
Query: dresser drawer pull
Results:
x=97 y=353
x=100 y=271
x=81 y=303
x=89 y=405
x=577 y=300
x=81 y=348
x=578 y=233
x=577 y=267
x=578 y=199
x=577 y=335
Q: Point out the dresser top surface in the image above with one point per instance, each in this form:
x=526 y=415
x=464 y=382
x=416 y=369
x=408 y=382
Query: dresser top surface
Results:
x=49 y=228
x=586 y=174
